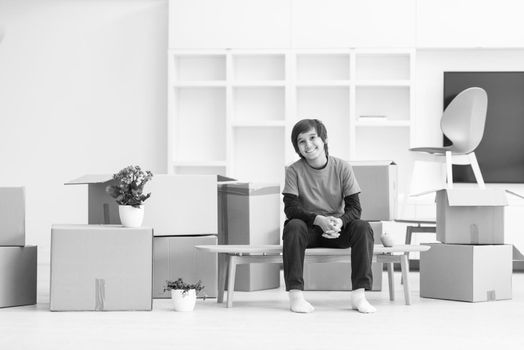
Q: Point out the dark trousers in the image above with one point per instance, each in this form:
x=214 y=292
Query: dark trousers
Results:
x=298 y=236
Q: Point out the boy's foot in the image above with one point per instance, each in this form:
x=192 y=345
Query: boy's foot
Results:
x=297 y=303
x=360 y=303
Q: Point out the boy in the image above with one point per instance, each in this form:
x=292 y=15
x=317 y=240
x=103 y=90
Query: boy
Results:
x=322 y=207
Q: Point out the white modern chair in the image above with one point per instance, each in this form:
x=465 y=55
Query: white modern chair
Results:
x=463 y=124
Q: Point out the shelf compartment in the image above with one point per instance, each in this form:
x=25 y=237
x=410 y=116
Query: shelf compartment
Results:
x=382 y=123
x=331 y=105
x=323 y=67
x=258 y=154
x=258 y=67
x=383 y=66
x=199 y=124
x=199 y=170
x=252 y=104
x=391 y=102
x=259 y=123
x=199 y=68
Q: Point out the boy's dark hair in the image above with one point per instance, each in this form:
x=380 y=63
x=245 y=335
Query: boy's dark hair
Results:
x=304 y=126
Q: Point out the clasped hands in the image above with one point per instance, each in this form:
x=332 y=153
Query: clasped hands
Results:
x=330 y=225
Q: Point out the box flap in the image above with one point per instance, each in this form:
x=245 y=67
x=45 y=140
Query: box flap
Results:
x=250 y=188
x=476 y=197
x=90 y=179
x=371 y=162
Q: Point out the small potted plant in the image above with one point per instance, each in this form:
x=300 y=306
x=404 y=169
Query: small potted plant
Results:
x=184 y=294
x=128 y=192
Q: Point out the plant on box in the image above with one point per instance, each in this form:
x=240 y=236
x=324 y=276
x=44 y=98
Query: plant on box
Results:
x=128 y=192
x=184 y=294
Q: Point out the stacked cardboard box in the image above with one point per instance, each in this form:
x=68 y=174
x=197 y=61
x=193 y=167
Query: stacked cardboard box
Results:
x=471 y=263
x=18 y=262
x=378 y=182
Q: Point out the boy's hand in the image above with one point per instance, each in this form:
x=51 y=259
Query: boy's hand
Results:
x=329 y=225
x=336 y=223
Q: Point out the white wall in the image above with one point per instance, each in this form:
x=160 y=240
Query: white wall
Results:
x=82 y=90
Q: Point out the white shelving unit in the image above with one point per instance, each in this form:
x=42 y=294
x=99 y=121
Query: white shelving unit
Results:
x=231 y=111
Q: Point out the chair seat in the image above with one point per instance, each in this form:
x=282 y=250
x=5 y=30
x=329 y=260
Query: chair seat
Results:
x=432 y=150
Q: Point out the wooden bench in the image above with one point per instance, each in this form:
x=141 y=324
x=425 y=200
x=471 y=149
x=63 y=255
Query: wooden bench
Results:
x=248 y=254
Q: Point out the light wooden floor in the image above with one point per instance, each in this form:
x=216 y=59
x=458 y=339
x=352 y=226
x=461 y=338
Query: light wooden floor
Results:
x=261 y=320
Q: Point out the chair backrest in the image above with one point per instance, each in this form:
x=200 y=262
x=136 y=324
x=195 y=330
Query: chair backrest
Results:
x=464 y=119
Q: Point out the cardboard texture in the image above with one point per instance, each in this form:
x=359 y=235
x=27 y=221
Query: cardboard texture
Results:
x=18 y=266
x=250 y=214
x=177 y=257
x=12 y=216
x=470 y=216
x=101 y=268
x=102 y=208
x=466 y=272
x=182 y=205
x=379 y=185
x=337 y=276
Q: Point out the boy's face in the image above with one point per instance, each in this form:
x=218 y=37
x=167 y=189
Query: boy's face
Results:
x=310 y=145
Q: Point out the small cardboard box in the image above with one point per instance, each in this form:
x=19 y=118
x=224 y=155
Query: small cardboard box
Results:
x=101 y=268
x=176 y=257
x=102 y=208
x=379 y=185
x=18 y=276
x=250 y=213
x=470 y=216
x=337 y=276
x=12 y=216
x=466 y=272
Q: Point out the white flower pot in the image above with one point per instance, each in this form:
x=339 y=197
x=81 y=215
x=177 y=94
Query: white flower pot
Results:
x=183 y=301
x=131 y=216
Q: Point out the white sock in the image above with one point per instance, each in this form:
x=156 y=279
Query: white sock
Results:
x=297 y=303
x=360 y=303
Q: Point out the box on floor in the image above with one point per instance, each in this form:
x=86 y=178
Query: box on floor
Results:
x=176 y=257
x=18 y=268
x=337 y=276
x=470 y=216
x=466 y=272
x=101 y=268
x=12 y=216
x=250 y=214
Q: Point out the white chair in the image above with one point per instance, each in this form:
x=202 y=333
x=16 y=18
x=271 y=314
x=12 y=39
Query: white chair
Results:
x=463 y=124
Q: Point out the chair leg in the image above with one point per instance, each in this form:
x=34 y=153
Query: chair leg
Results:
x=223 y=260
x=476 y=170
x=404 y=267
x=391 y=281
x=449 y=170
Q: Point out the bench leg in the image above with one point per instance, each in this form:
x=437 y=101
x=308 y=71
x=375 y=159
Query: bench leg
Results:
x=223 y=261
x=404 y=266
x=232 y=268
x=391 y=281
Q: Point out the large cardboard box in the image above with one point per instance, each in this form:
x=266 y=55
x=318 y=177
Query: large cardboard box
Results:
x=18 y=276
x=177 y=257
x=470 y=216
x=12 y=216
x=102 y=208
x=466 y=272
x=337 y=276
x=251 y=215
x=101 y=268
x=379 y=185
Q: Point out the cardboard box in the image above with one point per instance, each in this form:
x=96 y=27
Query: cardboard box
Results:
x=470 y=216
x=337 y=276
x=182 y=205
x=250 y=213
x=177 y=257
x=379 y=185
x=18 y=276
x=102 y=208
x=101 y=268
x=12 y=216
x=466 y=272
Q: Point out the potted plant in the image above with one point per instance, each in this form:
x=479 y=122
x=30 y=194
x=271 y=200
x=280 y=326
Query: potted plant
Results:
x=128 y=192
x=184 y=294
